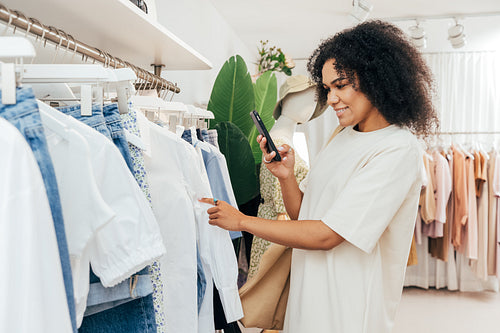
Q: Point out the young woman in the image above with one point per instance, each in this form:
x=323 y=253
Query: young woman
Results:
x=357 y=207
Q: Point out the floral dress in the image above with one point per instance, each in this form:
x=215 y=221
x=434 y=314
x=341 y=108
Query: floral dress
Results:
x=272 y=205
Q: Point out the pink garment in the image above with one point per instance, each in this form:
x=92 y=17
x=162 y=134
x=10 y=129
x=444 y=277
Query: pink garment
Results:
x=442 y=190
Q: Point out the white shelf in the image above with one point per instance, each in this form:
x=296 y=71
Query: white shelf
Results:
x=117 y=27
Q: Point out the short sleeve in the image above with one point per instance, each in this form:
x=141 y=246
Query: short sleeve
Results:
x=373 y=196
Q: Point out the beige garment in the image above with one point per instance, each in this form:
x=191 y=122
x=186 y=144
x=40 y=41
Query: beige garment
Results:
x=460 y=202
x=492 y=217
x=480 y=267
x=412 y=258
x=427 y=200
x=471 y=227
x=479 y=171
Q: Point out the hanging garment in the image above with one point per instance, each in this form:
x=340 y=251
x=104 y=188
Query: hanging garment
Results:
x=272 y=204
x=480 y=267
x=34 y=301
x=376 y=219
x=216 y=248
x=492 y=215
x=113 y=258
x=171 y=201
x=84 y=209
x=438 y=245
x=471 y=233
x=26 y=118
x=460 y=201
x=139 y=170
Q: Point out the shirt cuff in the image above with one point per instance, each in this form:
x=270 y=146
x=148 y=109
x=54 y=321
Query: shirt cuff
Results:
x=231 y=303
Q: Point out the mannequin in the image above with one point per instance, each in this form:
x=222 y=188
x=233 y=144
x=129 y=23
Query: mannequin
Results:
x=297 y=108
x=293 y=108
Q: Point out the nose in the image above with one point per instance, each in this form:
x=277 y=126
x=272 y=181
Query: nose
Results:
x=332 y=98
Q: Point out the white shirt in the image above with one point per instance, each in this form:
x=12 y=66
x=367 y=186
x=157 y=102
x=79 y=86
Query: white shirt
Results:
x=108 y=220
x=178 y=179
x=216 y=248
x=83 y=207
x=174 y=212
x=365 y=186
x=32 y=287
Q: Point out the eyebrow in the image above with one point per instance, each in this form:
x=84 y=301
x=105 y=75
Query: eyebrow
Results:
x=337 y=79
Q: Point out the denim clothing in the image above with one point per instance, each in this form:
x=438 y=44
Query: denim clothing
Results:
x=199 y=135
x=201 y=279
x=186 y=135
x=108 y=297
x=132 y=317
x=96 y=121
x=101 y=298
x=115 y=126
x=24 y=115
x=205 y=136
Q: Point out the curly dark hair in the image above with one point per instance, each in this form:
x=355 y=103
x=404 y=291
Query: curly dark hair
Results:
x=381 y=62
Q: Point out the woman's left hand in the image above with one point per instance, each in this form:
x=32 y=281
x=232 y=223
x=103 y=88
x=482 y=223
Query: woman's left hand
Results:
x=224 y=215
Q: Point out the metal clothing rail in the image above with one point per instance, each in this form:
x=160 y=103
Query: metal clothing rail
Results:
x=63 y=40
x=470 y=132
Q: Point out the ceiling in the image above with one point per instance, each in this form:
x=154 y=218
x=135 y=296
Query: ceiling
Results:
x=297 y=26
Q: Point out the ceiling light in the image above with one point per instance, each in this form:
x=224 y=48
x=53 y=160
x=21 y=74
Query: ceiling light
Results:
x=456 y=35
x=361 y=9
x=417 y=34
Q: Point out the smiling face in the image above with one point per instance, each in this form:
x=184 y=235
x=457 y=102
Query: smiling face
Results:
x=351 y=105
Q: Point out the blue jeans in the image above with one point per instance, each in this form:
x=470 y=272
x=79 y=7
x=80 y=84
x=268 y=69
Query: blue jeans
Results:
x=132 y=317
x=115 y=127
x=100 y=298
x=25 y=116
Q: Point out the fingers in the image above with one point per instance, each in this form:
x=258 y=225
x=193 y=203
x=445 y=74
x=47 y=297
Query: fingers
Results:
x=211 y=201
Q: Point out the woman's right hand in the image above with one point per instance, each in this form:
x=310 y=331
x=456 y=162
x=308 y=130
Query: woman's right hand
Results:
x=280 y=169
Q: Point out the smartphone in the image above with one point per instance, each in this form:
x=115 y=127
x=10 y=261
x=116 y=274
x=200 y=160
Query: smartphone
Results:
x=263 y=131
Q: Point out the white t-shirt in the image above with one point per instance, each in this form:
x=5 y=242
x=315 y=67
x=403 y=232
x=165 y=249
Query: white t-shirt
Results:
x=365 y=186
x=31 y=284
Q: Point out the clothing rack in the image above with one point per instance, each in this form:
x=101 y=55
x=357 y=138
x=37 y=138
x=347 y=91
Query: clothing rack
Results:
x=66 y=41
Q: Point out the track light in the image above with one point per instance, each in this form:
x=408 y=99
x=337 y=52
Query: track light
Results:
x=456 y=35
x=361 y=9
x=417 y=34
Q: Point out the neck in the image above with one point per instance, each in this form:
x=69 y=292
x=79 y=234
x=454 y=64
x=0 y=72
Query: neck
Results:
x=284 y=127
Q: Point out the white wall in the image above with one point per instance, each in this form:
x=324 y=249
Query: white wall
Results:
x=200 y=25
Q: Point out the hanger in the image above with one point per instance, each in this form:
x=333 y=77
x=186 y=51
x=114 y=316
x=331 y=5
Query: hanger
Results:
x=17 y=48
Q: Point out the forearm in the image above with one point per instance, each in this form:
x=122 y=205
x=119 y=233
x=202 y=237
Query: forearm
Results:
x=292 y=196
x=306 y=234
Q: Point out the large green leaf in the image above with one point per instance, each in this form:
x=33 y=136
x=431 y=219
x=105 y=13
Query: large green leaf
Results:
x=232 y=98
x=235 y=147
x=266 y=91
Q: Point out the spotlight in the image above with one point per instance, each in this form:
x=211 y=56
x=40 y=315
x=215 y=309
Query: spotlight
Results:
x=361 y=9
x=417 y=34
x=456 y=35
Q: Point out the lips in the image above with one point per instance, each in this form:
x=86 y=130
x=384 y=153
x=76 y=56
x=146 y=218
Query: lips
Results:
x=340 y=112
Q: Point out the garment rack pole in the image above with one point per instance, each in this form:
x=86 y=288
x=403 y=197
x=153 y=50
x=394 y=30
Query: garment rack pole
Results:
x=65 y=41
